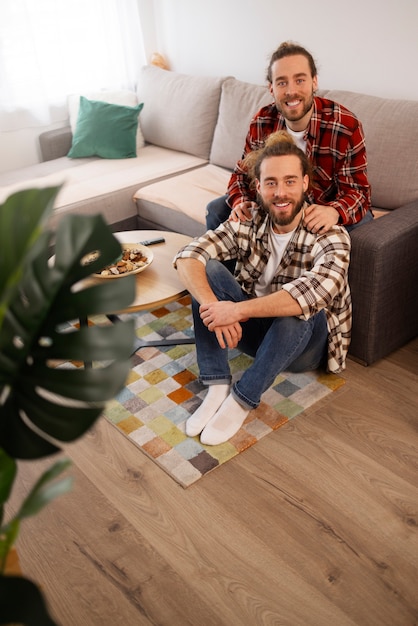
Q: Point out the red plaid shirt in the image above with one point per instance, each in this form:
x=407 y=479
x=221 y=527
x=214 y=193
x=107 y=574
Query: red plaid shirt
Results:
x=336 y=148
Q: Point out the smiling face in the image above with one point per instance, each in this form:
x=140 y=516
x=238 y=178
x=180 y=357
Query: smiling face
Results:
x=293 y=88
x=281 y=189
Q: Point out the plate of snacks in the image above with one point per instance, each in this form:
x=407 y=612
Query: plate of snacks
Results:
x=135 y=258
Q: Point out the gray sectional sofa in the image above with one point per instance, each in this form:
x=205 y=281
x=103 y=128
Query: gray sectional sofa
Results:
x=194 y=130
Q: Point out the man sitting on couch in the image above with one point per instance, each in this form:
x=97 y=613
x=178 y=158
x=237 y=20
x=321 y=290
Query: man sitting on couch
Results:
x=330 y=135
x=288 y=305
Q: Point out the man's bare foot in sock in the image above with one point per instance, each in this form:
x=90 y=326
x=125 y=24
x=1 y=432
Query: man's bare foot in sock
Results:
x=225 y=423
x=215 y=396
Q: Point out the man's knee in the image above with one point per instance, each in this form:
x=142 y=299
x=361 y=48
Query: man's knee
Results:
x=217 y=211
x=366 y=219
x=222 y=282
x=215 y=270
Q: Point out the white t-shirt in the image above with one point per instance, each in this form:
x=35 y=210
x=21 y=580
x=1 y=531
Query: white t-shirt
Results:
x=277 y=244
x=298 y=138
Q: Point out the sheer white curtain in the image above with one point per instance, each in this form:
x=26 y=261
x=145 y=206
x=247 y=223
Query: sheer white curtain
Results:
x=51 y=48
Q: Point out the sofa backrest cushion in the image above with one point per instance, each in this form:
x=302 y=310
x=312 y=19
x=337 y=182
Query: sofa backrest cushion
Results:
x=180 y=111
x=240 y=101
x=391 y=132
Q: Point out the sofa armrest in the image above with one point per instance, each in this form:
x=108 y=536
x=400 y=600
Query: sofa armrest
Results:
x=383 y=278
x=55 y=143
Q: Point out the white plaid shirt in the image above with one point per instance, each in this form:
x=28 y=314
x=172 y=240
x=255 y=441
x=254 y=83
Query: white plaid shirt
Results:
x=314 y=270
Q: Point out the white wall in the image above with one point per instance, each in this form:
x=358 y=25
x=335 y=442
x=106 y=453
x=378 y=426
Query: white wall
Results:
x=368 y=46
x=19 y=148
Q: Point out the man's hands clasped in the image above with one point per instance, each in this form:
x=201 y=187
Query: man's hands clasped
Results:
x=223 y=319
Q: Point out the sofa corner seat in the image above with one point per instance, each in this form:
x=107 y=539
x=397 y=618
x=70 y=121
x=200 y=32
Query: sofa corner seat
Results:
x=194 y=128
x=383 y=279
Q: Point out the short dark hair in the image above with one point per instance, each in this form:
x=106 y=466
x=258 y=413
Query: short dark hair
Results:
x=290 y=49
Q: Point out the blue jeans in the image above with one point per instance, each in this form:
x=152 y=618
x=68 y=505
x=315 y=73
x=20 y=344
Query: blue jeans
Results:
x=276 y=343
x=218 y=211
x=367 y=218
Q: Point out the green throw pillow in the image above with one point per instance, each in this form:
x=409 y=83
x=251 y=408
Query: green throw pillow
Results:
x=105 y=130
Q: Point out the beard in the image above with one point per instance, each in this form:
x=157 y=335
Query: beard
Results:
x=292 y=116
x=282 y=220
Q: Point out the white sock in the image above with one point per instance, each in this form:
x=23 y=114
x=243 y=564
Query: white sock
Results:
x=215 y=396
x=225 y=423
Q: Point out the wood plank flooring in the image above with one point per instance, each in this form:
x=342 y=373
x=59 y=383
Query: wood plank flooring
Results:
x=316 y=525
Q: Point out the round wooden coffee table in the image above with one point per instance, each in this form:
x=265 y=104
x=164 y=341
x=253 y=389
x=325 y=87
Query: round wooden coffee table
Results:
x=159 y=283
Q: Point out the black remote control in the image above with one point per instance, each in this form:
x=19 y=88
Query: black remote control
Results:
x=150 y=242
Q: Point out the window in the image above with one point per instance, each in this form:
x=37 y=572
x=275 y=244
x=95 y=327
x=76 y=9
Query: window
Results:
x=51 y=48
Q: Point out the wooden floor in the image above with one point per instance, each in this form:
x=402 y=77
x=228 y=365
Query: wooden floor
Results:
x=316 y=525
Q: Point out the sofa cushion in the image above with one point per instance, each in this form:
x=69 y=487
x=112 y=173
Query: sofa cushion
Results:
x=106 y=130
x=103 y=186
x=124 y=97
x=180 y=111
x=182 y=196
x=391 y=132
x=239 y=103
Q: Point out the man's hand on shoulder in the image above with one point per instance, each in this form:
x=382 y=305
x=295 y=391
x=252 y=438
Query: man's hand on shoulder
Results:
x=242 y=211
x=320 y=218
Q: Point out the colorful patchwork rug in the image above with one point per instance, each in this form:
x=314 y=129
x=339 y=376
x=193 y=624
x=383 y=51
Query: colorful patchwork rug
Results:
x=163 y=390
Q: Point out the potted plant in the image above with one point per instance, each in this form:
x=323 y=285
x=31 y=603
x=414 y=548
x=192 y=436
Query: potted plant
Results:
x=43 y=404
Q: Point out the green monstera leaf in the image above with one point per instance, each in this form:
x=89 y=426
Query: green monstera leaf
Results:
x=42 y=404
x=23 y=603
x=21 y=220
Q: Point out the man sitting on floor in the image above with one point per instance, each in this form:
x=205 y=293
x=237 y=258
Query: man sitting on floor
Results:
x=288 y=304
